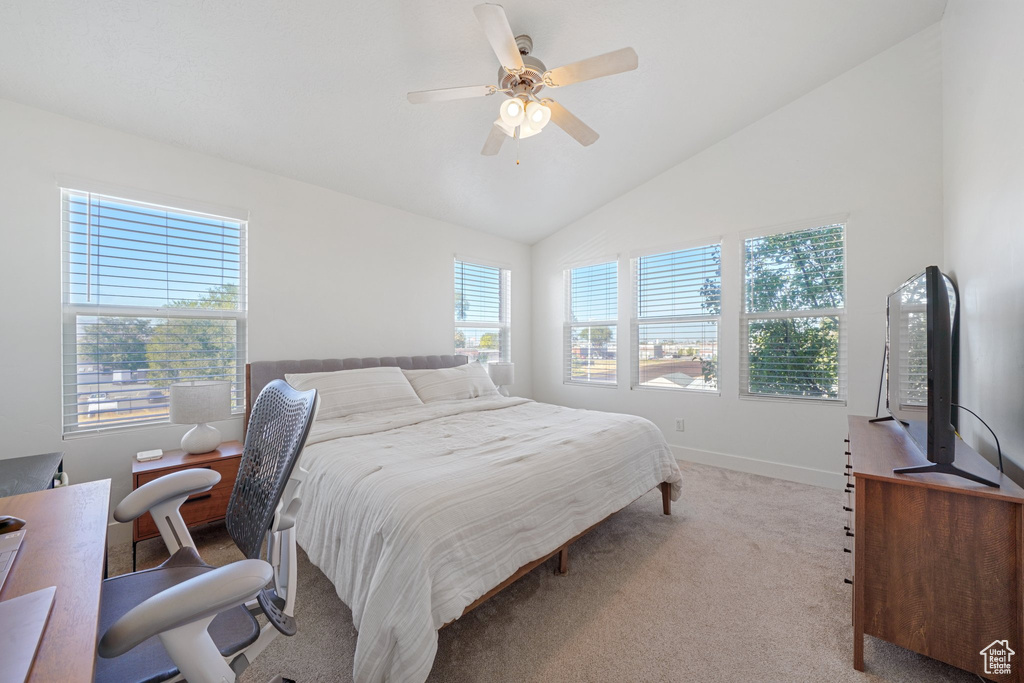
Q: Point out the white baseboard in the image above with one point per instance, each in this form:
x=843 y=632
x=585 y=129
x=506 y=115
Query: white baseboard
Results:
x=766 y=468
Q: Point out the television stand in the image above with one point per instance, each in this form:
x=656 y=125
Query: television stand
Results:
x=938 y=561
x=944 y=468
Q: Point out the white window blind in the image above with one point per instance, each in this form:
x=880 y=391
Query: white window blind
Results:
x=591 y=321
x=908 y=343
x=678 y=304
x=151 y=296
x=482 y=312
x=792 y=326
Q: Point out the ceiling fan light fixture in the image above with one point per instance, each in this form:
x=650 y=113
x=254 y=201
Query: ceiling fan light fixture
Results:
x=512 y=112
x=537 y=115
x=526 y=130
x=505 y=128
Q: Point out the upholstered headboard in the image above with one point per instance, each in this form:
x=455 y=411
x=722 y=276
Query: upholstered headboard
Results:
x=260 y=373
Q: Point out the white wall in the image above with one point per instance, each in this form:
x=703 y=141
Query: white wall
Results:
x=329 y=275
x=868 y=144
x=983 y=112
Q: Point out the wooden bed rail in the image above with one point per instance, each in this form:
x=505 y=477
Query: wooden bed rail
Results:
x=563 y=555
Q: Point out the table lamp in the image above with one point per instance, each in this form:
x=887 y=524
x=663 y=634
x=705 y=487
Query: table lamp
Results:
x=502 y=374
x=198 y=403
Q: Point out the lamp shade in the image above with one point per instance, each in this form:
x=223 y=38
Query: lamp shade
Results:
x=512 y=111
x=200 y=402
x=538 y=115
x=502 y=374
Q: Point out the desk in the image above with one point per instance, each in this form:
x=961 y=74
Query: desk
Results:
x=29 y=473
x=65 y=546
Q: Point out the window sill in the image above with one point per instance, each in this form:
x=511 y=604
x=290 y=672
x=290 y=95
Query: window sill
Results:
x=678 y=390
x=127 y=429
x=775 y=398
x=603 y=385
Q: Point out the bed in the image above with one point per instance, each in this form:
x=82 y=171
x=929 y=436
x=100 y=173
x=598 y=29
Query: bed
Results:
x=419 y=514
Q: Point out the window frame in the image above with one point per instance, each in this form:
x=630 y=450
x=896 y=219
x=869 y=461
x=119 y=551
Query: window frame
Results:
x=839 y=313
x=70 y=312
x=636 y=321
x=568 y=325
x=504 y=324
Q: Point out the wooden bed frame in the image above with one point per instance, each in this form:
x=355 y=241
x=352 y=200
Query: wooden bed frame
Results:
x=562 y=552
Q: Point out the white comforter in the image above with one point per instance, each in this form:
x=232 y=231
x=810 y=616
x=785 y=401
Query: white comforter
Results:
x=415 y=513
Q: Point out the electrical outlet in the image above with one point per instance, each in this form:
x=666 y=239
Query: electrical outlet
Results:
x=680 y=424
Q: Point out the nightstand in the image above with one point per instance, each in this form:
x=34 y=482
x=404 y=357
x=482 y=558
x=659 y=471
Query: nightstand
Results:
x=202 y=508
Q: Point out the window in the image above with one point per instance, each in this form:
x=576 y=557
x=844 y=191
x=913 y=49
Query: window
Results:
x=482 y=312
x=678 y=304
x=792 y=324
x=591 y=321
x=151 y=296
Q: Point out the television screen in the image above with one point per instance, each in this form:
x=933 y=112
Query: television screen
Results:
x=907 y=372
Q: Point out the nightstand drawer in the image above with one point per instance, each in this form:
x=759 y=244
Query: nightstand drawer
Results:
x=201 y=508
x=228 y=471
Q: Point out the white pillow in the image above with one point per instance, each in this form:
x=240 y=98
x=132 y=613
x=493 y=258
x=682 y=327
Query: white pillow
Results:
x=464 y=381
x=347 y=392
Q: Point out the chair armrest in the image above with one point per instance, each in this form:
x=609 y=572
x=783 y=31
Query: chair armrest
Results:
x=203 y=596
x=168 y=487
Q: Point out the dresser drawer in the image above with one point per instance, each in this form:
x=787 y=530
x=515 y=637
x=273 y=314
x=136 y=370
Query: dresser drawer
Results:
x=228 y=471
x=198 y=509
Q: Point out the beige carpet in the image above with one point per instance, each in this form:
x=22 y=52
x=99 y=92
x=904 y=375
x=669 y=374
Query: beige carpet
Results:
x=744 y=582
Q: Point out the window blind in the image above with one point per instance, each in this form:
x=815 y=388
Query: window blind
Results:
x=482 y=312
x=678 y=300
x=794 y=297
x=151 y=296
x=908 y=343
x=590 y=334
x=913 y=356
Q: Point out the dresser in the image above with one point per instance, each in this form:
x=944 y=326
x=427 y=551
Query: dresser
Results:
x=938 y=561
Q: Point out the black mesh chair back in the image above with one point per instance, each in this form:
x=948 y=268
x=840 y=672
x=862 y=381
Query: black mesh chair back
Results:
x=277 y=431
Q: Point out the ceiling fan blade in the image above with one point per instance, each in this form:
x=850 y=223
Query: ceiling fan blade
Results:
x=445 y=94
x=595 y=67
x=499 y=34
x=564 y=119
x=494 y=140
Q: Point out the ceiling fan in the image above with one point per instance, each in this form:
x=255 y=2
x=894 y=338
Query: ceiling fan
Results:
x=521 y=76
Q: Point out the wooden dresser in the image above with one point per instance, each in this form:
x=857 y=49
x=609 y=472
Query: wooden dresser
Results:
x=201 y=508
x=938 y=561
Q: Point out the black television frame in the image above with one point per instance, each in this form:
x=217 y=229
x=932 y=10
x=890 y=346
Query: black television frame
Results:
x=943 y=370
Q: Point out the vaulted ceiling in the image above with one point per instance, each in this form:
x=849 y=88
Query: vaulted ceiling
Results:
x=315 y=90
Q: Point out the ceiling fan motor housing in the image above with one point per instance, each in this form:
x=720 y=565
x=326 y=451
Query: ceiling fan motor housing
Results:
x=532 y=76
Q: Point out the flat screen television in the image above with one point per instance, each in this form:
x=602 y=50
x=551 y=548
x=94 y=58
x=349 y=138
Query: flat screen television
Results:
x=922 y=349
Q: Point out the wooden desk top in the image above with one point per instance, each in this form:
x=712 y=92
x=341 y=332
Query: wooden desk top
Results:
x=877 y=448
x=65 y=545
x=179 y=458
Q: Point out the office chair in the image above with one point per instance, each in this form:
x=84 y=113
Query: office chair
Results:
x=186 y=619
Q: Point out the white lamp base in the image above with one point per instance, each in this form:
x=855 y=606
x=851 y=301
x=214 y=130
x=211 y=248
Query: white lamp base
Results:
x=202 y=438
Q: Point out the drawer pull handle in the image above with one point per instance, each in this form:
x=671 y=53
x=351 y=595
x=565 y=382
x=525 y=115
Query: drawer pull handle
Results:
x=846 y=528
x=849 y=534
x=198 y=497
x=848 y=581
x=846 y=509
x=847 y=550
